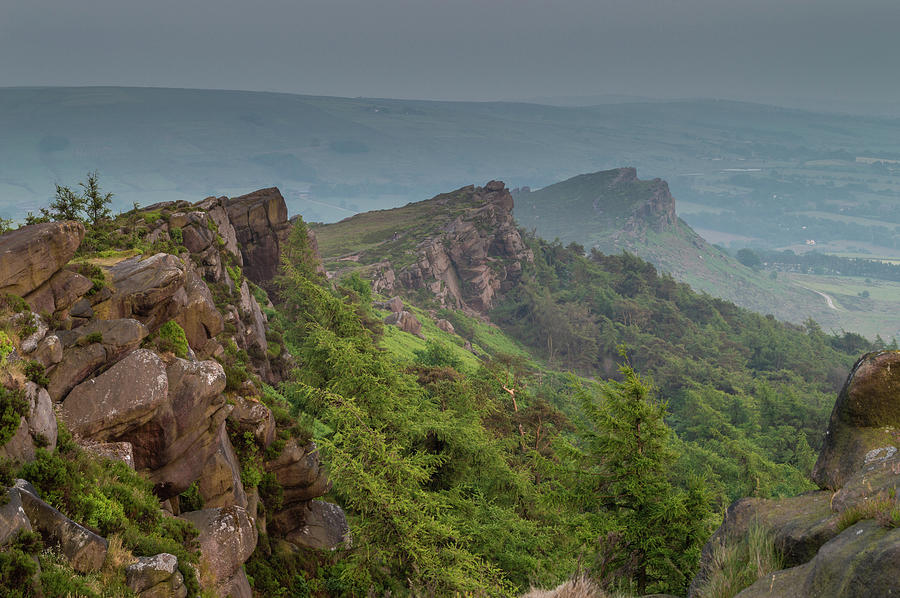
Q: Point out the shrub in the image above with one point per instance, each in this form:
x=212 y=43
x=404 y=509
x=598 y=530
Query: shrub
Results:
x=94 y=337
x=6 y=346
x=34 y=371
x=13 y=407
x=171 y=337
x=177 y=235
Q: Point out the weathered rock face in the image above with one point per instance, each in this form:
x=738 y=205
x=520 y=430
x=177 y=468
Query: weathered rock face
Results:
x=176 y=443
x=300 y=474
x=145 y=289
x=227 y=538
x=41 y=419
x=220 y=480
x=59 y=293
x=254 y=417
x=12 y=517
x=324 y=526
x=83 y=354
x=30 y=255
x=120 y=400
x=156 y=577
x=477 y=255
x=261 y=225
x=199 y=317
x=861 y=561
x=866 y=417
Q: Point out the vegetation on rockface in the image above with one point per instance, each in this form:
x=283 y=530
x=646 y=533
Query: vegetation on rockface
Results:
x=747 y=395
x=170 y=337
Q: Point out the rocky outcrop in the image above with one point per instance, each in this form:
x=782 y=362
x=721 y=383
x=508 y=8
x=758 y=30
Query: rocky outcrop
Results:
x=156 y=577
x=227 y=538
x=476 y=256
x=261 y=225
x=865 y=417
x=406 y=322
x=249 y=415
x=145 y=289
x=30 y=255
x=859 y=471
x=59 y=293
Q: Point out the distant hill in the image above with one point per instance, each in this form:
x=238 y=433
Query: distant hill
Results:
x=333 y=157
x=615 y=211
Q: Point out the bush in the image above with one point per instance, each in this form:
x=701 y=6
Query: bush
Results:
x=6 y=346
x=13 y=407
x=34 y=371
x=171 y=337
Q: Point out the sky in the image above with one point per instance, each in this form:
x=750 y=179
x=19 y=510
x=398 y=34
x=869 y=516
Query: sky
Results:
x=837 y=52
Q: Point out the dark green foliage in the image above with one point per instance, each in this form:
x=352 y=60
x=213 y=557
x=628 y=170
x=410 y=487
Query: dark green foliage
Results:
x=362 y=287
x=94 y=337
x=660 y=527
x=96 y=203
x=170 y=337
x=34 y=371
x=749 y=396
x=176 y=235
x=190 y=499
x=437 y=354
x=13 y=407
x=67 y=205
x=13 y=303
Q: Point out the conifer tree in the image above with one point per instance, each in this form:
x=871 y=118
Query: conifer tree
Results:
x=660 y=527
x=96 y=204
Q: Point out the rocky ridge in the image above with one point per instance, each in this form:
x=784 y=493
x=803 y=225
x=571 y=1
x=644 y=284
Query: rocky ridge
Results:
x=99 y=330
x=467 y=253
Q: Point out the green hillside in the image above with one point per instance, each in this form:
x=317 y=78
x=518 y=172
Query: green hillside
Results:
x=614 y=211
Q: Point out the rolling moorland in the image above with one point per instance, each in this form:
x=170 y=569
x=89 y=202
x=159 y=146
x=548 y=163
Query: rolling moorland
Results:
x=437 y=378
x=743 y=173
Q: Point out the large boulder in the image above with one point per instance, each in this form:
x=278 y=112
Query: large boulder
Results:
x=227 y=538
x=322 y=526
x=862 y=561
x=30 y=255
x=85 y=550
x=156 y=577
x=59 y=293
x=865 y=417
x=249 y=415
x=12 y=516
x=123 y=398
x=199 y=317
x=220 y=481
x=261 y=225
x=20 y=448
x=150 y=290
x=405 y=321
x=41 y=419
x=300 y=473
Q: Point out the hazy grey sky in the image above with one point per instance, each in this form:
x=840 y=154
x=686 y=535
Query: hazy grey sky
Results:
x=463 y=49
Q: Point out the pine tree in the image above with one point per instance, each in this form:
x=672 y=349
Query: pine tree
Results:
x=67 y=205
x=660 y=527
x=95 y=203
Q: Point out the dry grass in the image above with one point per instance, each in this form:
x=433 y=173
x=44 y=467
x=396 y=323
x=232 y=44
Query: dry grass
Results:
x=577 y=587
x=739 y=564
